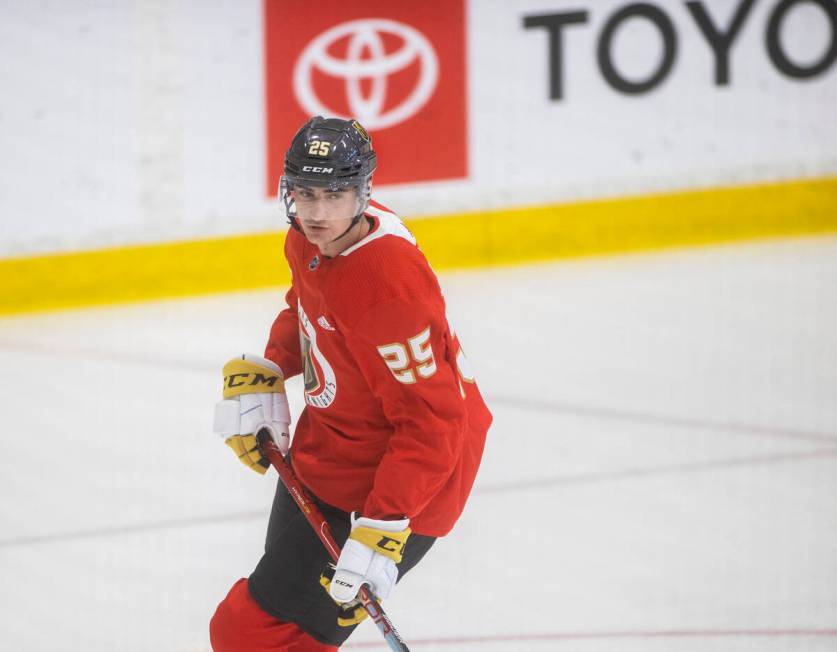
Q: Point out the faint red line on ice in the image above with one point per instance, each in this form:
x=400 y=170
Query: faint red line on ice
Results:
x=684 y=467
x=602 y=412
x=571 y=636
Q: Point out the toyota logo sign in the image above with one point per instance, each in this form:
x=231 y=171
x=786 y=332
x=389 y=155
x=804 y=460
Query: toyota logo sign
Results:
x=400 y=73
x=366 y=36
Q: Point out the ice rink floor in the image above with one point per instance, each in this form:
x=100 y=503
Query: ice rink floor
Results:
x=661 y=475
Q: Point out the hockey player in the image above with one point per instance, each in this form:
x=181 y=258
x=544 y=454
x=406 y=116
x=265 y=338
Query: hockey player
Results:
x=394 y=425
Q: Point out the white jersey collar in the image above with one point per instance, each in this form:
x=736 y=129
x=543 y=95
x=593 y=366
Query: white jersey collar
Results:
x=388 y=224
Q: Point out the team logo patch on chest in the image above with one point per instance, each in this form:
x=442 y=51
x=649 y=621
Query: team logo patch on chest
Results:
x=315 y=262
x=319 y=377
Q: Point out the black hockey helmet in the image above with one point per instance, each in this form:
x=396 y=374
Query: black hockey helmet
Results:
x=331 y=153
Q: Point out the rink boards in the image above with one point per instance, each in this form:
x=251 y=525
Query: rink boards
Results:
x=498 y=237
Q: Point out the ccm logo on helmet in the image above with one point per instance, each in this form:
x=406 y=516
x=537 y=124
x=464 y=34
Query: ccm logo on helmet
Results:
x=315 y=168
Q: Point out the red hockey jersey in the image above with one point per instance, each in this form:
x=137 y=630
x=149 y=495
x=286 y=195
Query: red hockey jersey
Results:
x=394 y=424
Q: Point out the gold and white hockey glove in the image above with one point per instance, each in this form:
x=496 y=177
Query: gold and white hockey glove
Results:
x=369 y=556
x=349 y=613
x=254 y=400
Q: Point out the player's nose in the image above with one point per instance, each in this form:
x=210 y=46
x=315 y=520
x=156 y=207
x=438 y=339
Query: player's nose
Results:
x=317 y=212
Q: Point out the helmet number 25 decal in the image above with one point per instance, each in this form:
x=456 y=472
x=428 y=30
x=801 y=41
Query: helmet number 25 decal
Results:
x=406 y=361
x=319 y=148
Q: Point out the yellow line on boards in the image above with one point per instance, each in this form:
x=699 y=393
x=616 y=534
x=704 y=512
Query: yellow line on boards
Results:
x=142 y=272
x=518 y=235
x=500 y=237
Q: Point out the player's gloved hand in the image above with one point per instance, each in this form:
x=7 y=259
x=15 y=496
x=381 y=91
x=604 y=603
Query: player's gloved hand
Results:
x=254 y=401
x=369 y=556
x=349 y=613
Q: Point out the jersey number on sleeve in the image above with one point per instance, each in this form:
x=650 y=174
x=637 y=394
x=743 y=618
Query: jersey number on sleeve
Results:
x=405 y=361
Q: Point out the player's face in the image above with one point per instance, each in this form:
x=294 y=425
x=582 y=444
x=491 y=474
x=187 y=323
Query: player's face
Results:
x=324 y=214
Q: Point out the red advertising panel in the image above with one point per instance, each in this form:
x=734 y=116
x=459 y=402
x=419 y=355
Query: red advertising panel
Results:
x=397 y=67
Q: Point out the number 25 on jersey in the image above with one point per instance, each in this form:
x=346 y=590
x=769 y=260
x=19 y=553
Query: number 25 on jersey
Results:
x=406 y=361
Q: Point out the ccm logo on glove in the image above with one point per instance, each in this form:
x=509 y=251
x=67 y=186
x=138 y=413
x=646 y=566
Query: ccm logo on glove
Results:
x=252 y=374
x=232 y=381
x=391 y=545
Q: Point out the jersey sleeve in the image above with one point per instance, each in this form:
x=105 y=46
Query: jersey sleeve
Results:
x=283 y=342
x=405 y=352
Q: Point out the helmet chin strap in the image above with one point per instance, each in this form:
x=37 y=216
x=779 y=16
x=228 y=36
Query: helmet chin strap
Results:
x=355 y=220
x=362 y=205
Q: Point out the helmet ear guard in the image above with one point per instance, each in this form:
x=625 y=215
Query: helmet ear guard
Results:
x=285 y=188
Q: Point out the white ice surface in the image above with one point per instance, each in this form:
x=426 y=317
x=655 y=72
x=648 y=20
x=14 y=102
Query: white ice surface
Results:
x=661 y=475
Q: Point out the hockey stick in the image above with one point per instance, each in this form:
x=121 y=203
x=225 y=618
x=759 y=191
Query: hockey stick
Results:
x=315 y=517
